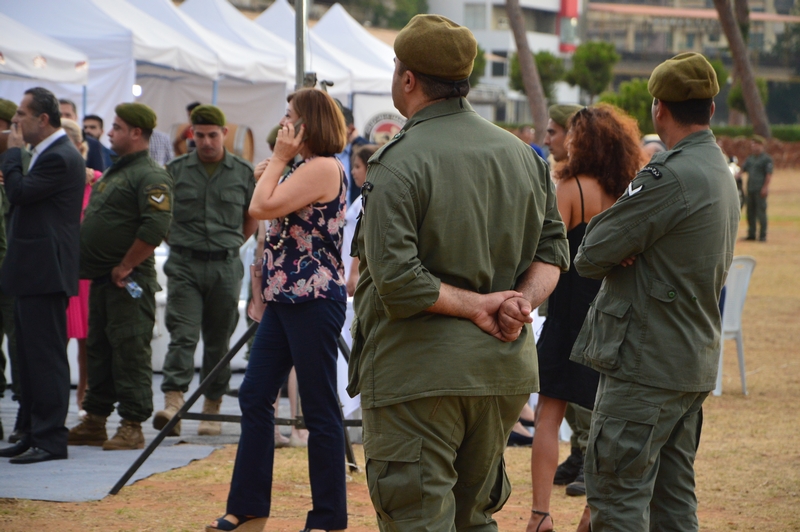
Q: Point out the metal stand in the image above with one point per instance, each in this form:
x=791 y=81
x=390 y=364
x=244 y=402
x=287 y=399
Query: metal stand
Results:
x=184 y=413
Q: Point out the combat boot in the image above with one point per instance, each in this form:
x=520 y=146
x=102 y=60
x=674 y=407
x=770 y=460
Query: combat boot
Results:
x=173 y=401
x=568 y=470
x=128 y=437
x=90 y=431
x=210 y=428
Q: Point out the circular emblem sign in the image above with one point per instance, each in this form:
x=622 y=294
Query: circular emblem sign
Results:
x=382 y=127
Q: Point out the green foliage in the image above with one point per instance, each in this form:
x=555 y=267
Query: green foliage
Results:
x=592 y=67
x=633 y=98
x=381 y=14
x=404 y=10
x=786 y=133
x=550 y=68
x=721 y=71
x=478 y=67
x=736 y=96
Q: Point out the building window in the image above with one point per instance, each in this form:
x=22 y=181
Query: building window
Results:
x=690 y=41
x=475 y=16
x=499 y=68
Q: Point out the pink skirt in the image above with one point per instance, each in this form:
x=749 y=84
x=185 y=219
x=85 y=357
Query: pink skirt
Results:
x=78 y=311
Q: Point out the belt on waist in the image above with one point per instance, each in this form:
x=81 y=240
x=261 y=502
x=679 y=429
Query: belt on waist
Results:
x=205 y=255
x=103 y=279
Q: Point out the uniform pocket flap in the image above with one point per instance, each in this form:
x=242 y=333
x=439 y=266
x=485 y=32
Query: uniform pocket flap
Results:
x=629 y=409
x=663 y=291
x=391 y=448
x=232 y=196
x=610 y=304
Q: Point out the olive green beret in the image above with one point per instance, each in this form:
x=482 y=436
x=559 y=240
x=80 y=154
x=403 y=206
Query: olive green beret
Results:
x=687 y=76
x=436 y=46
x=758 y=139
x=137 y=115
x=272 y=138
x=7 y=109
x=209 y=115
x=560 y=114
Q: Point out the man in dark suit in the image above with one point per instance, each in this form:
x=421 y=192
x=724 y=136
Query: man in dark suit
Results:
x=41 y=269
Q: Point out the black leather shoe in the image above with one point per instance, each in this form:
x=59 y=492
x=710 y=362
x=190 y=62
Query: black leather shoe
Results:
x=35 y=455
x=15 y=436
x=15 y=450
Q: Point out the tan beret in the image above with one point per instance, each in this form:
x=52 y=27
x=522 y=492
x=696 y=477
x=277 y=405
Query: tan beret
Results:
x=436 y=46
x=687 y=76
x=560 y=114
x=7 y=109
x=272 y=138
x=137 y=115
x=208 y=115
x=758 y=139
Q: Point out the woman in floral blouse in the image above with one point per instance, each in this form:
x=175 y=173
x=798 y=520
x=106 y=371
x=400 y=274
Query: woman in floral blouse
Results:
x=304 y=286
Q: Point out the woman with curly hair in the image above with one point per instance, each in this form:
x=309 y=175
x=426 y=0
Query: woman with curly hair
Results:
x=603 y=157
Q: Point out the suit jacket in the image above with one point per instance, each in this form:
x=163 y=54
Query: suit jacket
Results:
x=44 y=229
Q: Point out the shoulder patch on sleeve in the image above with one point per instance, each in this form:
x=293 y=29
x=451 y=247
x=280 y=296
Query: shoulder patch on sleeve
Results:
x=157 y=197
x=653 y=170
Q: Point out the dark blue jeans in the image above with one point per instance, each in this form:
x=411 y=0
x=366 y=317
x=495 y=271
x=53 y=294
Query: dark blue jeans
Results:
x=304 y=336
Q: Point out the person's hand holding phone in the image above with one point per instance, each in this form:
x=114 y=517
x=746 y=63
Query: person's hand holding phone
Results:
x=291 y=138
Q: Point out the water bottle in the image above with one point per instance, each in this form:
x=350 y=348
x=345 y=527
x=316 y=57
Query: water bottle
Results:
x=133 y=288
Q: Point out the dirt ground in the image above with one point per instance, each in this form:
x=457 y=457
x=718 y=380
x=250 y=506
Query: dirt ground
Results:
x=748 y=465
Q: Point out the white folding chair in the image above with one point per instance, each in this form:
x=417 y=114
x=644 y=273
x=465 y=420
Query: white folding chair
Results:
x=735 y=292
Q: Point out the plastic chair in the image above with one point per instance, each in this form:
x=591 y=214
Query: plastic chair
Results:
x=736 y=290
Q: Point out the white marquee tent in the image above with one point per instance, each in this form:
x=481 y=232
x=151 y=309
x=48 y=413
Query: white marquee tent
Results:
x=279 y=19
x=251 y=90
x=77 y=23
x=337 y=27
x=28 y=54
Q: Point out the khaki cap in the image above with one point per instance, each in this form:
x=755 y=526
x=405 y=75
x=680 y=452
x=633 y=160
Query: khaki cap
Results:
x=687 y=76
x=560 y=114
x=137 y=115
x=436 y=46
x=7 y=109
x=206 y=114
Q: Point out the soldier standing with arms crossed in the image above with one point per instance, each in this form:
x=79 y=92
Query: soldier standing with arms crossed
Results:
x=459 y=226
x=127 y=217
x=663 y=251
x=213 y=189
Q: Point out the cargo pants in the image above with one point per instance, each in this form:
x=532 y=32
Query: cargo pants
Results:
x=756 y=212
x=639 y=465
x=120 y=368
x=579 y=420
x=436 y=463
x=202 y=296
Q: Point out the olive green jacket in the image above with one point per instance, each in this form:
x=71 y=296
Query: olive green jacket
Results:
x=757 y=168
x=132 y=200
x=208 y=211
x=454 y=199
x=657 y=322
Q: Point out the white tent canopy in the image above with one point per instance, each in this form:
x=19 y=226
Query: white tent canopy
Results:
x=339 y=28
x=155 y=43
x=225 y=20
x=234 y=60
x=77 y=23
x=29 y=54
x=279 y=18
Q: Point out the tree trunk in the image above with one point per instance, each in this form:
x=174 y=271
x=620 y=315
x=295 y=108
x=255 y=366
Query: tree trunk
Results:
x=530 y=76
x=742 y=66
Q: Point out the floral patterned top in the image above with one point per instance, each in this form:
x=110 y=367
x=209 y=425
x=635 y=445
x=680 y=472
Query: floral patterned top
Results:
x=303 y=252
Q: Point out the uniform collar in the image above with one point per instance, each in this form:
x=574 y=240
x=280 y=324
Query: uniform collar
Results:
x=119 y=162
x=704 y=135
x=447 y=107
x=194 y=159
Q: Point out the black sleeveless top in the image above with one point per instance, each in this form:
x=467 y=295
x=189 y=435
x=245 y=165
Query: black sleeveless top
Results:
x=559 y=377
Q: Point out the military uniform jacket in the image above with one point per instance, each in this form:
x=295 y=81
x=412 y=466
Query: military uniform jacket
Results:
x=454 y=199
x=132 y=200
x=657 y=322
x=757 y=168
x=208 y=211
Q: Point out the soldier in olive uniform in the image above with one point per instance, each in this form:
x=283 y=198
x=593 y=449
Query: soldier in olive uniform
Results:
x=127 y=218
x=459 y=226
x=663 y=251
x=758 y=168
x=213 y=189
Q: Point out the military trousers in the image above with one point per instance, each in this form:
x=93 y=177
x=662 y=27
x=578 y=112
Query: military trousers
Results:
x=756 y=212
x=436 y=463
x=119 y=357
x=202 y=296
x=639 y=464
x=579 y=420
x=7 y=328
